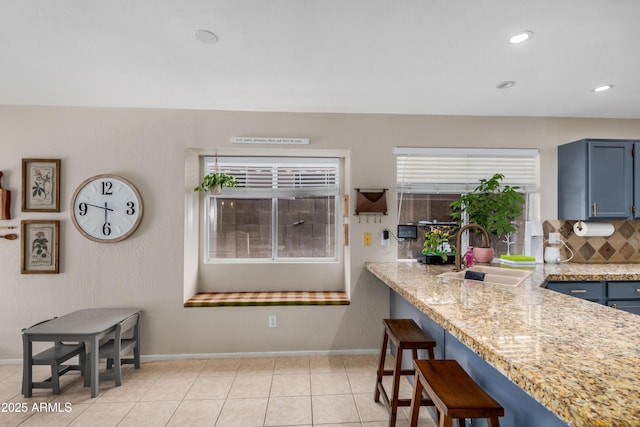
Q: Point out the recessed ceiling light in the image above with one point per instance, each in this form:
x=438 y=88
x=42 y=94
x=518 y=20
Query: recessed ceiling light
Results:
x=520 y=37
x=506 y=85
x=206 y=36
x=602 y=88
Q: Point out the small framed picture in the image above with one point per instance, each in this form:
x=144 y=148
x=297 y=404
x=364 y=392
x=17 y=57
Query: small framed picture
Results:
x=40 y=185
x=40 y=246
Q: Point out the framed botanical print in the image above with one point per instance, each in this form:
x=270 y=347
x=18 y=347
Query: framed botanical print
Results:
x=40 y=185
x=40 y=246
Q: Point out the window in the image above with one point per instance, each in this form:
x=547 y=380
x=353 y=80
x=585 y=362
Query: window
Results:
x=429 y=179
x=284 y=209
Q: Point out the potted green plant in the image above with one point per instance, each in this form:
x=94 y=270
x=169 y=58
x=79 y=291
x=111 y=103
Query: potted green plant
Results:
x=215 y=181
x=491 y=206
x=436 y=244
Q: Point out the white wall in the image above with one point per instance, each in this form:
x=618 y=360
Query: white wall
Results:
x=146 y=270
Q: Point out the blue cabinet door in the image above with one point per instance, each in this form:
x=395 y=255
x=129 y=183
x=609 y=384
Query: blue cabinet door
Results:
x=596 y=179
x=624 y=296
x=626 y=305
x=610 y=179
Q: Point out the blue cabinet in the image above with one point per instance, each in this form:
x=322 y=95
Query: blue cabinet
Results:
x=597 y=179
x=623 y=295
x=591 y=291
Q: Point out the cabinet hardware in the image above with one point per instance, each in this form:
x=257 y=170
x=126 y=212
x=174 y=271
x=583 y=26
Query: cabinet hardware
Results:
x=637 y=290
x=615 y=306
x=578 y=291
x=595 y=209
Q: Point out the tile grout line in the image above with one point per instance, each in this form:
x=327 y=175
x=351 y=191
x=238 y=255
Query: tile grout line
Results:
x=234 y=374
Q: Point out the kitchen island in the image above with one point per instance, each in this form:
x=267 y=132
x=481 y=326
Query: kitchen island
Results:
x=578 y=359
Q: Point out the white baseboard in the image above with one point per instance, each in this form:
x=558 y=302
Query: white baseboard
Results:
x=258 y=354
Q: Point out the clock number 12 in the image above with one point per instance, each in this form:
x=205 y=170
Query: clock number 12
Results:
x=107 y=188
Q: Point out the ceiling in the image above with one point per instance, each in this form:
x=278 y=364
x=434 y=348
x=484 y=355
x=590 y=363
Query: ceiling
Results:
x=360 y=56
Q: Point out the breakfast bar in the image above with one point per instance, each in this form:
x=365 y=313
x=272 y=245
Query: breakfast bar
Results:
x=574 y=362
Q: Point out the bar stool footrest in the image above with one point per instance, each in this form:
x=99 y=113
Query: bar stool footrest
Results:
x=389 y=372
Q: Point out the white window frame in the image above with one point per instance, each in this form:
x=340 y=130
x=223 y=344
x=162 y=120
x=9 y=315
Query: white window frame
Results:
x=428 y=170
x=265 y=185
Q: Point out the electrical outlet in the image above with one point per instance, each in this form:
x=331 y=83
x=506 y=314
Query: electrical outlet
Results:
x=273 y=321
x=554 y=238
x=384 y=238
x=366 y=239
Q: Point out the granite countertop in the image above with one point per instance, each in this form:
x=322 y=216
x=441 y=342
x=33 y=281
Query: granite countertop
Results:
x=579 y=359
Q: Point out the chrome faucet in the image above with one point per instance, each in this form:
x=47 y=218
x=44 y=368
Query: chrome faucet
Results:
x=485 y=240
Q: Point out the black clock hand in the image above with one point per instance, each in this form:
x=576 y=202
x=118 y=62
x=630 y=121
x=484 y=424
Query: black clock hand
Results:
x=100 y=207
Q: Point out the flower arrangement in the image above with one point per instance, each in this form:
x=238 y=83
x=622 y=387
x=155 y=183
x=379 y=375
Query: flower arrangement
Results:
x=437 y=242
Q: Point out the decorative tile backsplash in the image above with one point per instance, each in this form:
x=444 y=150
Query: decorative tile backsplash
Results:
x=622 y=246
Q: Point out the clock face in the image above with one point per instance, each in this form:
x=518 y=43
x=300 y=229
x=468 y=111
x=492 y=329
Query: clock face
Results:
x=106 y=208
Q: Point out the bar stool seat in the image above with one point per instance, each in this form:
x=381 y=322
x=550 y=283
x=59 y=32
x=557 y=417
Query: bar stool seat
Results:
x=454 y=393
x=405 y=334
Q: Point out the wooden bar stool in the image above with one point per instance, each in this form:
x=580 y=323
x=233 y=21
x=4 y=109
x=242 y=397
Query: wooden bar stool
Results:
x=405 y=335
x=453 y=392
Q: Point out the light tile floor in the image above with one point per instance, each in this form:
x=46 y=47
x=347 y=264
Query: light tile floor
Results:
x=272 y=391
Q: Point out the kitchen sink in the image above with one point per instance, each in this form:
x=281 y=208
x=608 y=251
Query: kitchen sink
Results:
x=495 y=275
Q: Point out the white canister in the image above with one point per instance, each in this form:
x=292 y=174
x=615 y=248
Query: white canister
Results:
x=552 y=254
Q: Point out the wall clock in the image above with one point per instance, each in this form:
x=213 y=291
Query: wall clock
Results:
x=106 y=208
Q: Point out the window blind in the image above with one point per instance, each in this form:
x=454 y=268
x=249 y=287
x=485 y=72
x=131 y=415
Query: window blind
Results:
x=459 y=170
x=279 y=176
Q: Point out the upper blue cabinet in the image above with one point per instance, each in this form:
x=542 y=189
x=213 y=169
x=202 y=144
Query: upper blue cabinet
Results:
x=598 y=179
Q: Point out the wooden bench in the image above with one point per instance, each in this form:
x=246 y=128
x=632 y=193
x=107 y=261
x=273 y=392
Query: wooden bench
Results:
x=114 y=349
x=55 y=357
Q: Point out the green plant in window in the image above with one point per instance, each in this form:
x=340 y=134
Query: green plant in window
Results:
x=490 y=205
x=213 y=180
x=437 y=242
